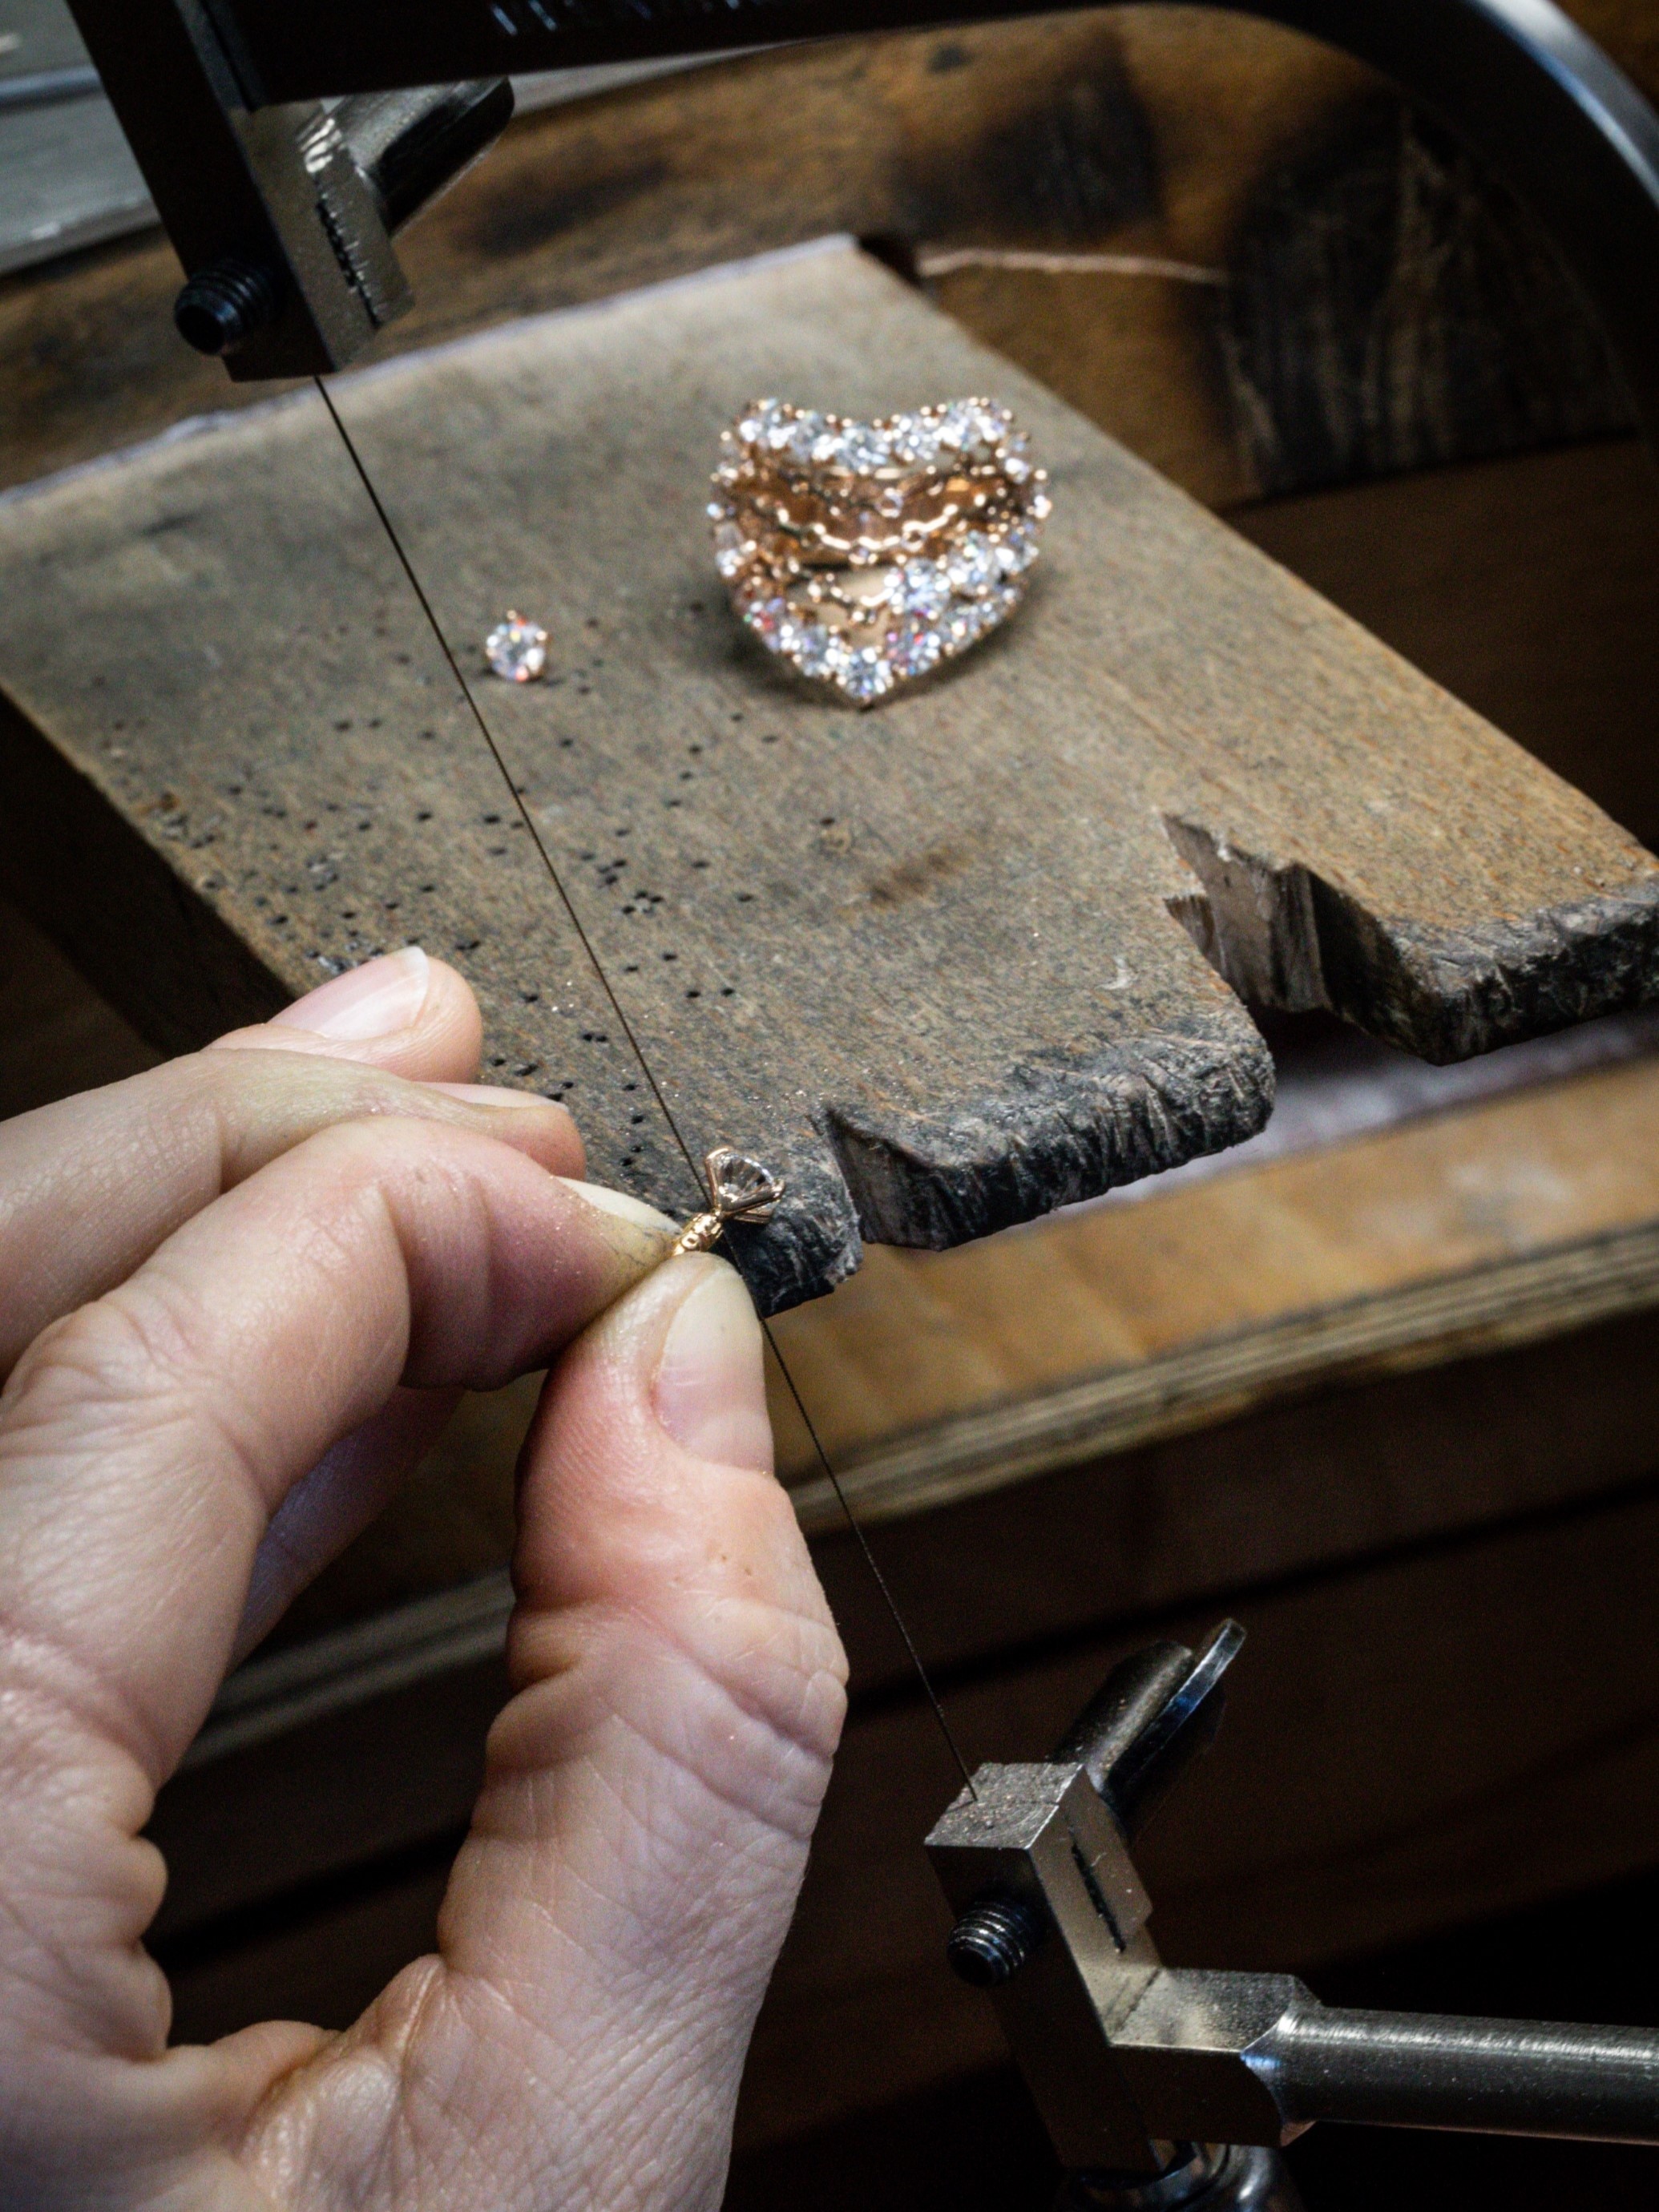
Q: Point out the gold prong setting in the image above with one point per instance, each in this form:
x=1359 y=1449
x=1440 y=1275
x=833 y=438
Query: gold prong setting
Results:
x=739 y=1189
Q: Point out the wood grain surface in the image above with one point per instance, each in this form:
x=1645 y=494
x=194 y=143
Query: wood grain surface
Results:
x=1268 y=273
x=934 y=1376
x=979 y=1404
x=1529 y=586
x=922 y=960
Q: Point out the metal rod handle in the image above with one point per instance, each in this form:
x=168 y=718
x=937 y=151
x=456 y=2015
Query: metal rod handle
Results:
x=1488 y=2076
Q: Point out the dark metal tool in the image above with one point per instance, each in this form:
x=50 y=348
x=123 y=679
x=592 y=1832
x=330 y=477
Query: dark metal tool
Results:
x=1164 y=2087
x=282 y=209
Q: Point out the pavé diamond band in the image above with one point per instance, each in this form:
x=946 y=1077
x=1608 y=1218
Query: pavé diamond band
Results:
x=864 y=554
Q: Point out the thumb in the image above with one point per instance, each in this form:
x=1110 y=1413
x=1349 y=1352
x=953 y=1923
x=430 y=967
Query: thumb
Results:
x=651 y=1791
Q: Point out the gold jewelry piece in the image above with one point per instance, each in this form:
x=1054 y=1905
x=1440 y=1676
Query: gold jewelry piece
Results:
x=866 y=553
x=739 y=1189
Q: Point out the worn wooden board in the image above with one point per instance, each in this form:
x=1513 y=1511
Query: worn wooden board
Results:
x=938 y=1376
x=923 y=960
x=1529 y=586
x=1017 y=1386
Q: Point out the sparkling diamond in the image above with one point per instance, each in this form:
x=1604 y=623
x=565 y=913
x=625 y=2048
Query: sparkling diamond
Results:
x=968 y=428
x=975 y=567
x=965 y=622
x=767 y=618
x=864 y=449
x=740 y=1186
x=1018 y=550
x=812 y=649
x=913 y=647
x=731 y=549
x=804 y=433
x=924 y=587
x=516 y=649
x=866 y=675
x=914 y=440
x=755 y=427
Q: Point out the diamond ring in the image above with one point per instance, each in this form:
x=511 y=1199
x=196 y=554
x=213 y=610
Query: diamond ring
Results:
x=864 y=554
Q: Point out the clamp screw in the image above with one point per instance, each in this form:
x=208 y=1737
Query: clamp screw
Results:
x=222 y=307
x=993 y=1940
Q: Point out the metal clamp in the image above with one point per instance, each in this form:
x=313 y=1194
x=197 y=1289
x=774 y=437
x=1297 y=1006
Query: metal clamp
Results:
x=1134 y=2066
x=217 y=95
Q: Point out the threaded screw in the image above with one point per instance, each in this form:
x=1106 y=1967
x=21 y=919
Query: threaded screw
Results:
x=993 y=1940
x=222 y=307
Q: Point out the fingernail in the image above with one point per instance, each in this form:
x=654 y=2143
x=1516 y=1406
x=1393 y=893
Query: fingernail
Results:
x=636 y=1235
x=619 y=1203
x=711 y=1383
x=373 y=1000
x=493 y=1094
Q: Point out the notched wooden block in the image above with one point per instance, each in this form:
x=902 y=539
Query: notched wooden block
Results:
x=944 y=965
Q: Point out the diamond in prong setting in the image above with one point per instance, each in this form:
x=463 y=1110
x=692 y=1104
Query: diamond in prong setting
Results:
x=866 y=554
x=516 y=649
x=739 y=1187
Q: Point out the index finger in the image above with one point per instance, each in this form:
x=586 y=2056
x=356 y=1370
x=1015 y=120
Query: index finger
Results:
x=146 y=1440
x=90 y=1187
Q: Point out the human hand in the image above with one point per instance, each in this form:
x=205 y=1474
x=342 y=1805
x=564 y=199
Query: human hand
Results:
x=240 y=1292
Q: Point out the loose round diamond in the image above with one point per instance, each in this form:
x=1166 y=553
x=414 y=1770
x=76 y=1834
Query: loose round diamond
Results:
x=516 y=649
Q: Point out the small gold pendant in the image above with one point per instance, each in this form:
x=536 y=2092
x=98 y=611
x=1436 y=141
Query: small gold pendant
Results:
x=739 y=1189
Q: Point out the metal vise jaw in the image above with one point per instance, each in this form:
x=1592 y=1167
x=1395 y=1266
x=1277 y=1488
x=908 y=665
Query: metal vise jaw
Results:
x=283 y=213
